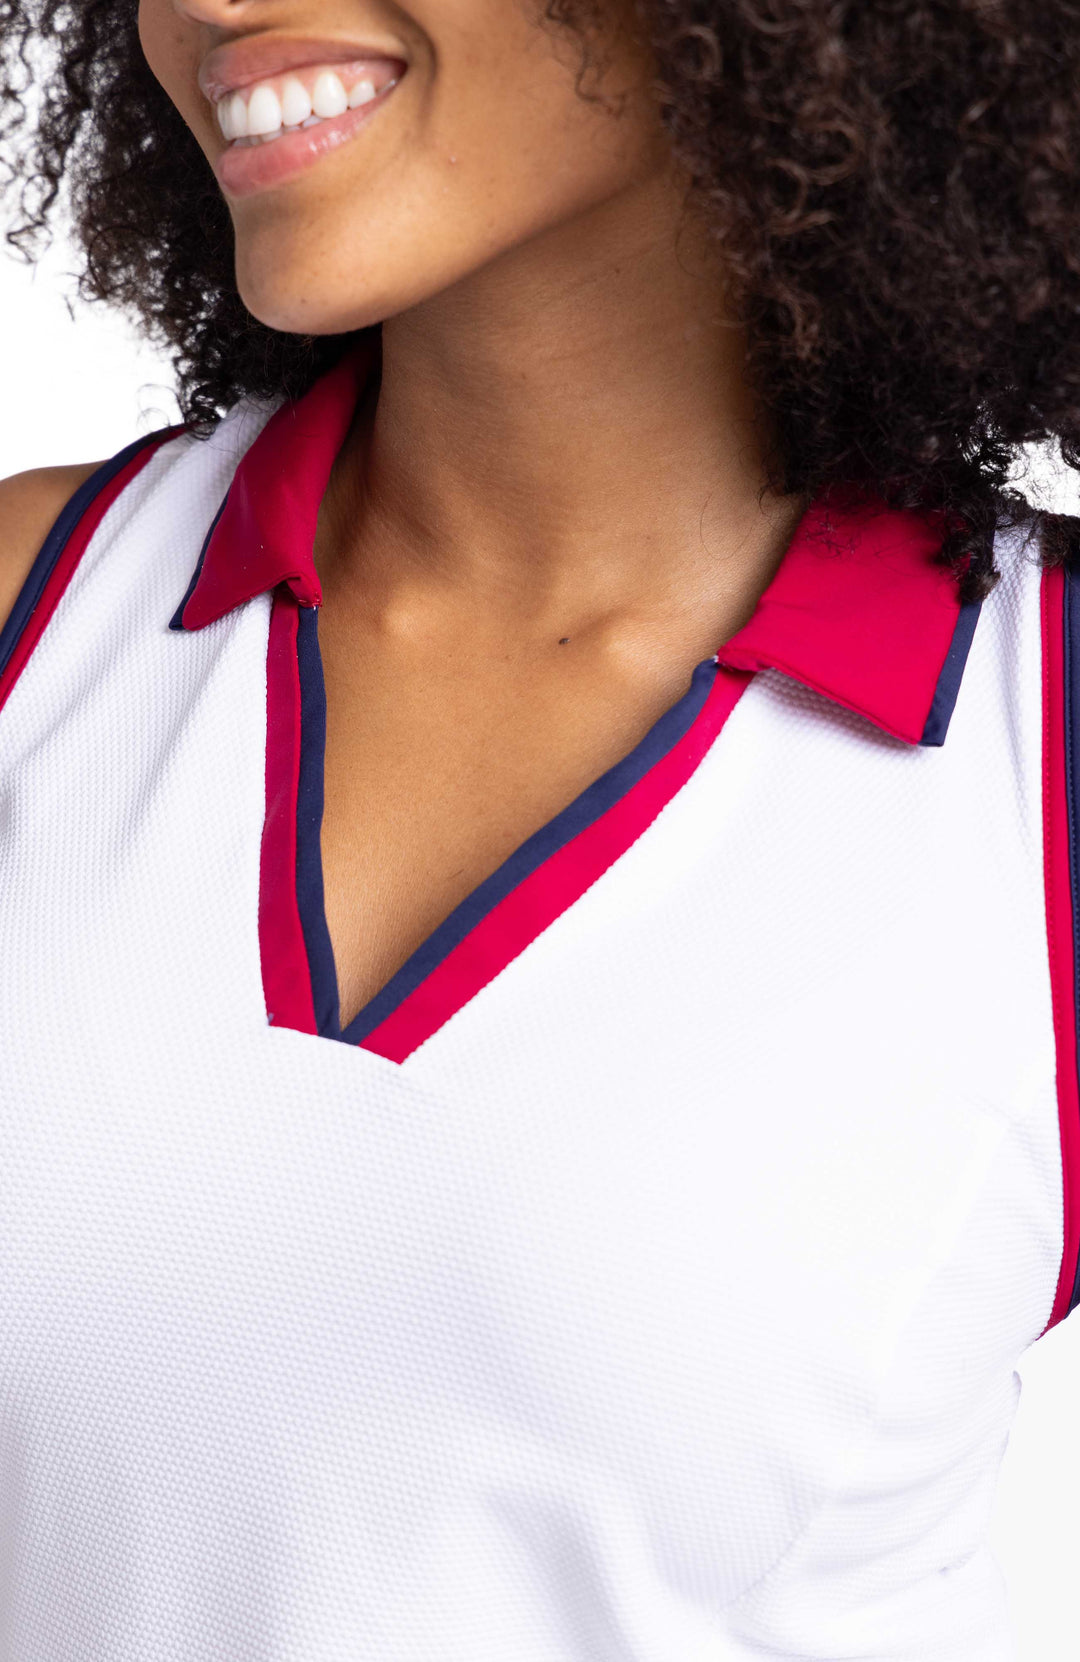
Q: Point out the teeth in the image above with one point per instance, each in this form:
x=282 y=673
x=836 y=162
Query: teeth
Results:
x=264 y=112
x=258 y=115
x=235 y=112
x=295 y=103
x=328 y=95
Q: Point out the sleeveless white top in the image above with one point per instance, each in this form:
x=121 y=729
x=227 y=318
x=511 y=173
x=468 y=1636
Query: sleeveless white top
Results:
x=642 y=1275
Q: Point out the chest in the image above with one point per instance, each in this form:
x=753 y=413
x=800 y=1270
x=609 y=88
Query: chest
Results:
x=614 y=1262
x=437 y=771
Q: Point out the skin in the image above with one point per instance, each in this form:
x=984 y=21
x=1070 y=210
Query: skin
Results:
x=29 y=504
x=557 y=506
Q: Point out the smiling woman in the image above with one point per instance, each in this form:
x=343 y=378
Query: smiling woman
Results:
x=539 y=881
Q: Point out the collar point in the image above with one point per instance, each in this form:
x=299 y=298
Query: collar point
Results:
x=197 y=610
x=304 y=590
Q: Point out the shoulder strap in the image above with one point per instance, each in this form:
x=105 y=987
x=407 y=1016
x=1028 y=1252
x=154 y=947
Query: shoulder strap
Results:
x=62 y=550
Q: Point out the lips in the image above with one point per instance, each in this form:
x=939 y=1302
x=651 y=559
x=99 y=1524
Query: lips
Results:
x=283 y=104
x=303 y=97
x=241 y=63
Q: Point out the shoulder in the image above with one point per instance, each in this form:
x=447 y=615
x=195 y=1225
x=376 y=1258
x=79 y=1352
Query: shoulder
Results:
x=29 y=506
x=199 y=465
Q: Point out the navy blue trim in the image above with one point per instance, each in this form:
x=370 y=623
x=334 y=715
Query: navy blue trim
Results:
x=588 y=807
x=177 y=619
x=57 y=540
x=1071 y=693
x=952 y=672
x=581 y=813
x=309 y=816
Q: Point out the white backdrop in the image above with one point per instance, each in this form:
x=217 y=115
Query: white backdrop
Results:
x=77 y=389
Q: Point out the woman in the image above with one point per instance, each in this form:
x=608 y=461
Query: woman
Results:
x=539 y=1083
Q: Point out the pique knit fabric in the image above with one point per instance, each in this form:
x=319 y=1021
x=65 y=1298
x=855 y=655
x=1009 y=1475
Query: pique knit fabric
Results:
x=644 y=1280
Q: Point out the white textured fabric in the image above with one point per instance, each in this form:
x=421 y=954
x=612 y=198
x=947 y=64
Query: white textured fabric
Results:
x=663 y=1307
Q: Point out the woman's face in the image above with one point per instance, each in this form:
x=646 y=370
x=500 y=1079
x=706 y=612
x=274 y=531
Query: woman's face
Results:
x=417 y=144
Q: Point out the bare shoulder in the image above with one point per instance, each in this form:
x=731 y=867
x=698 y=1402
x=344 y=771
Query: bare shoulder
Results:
x=29 y=505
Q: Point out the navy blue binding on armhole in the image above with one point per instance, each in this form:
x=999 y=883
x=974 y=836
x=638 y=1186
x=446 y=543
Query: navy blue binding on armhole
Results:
x=952 y=673
x=1070 y=636
x=57 y=540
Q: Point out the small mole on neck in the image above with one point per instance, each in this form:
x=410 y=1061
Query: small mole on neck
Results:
x=565 y=640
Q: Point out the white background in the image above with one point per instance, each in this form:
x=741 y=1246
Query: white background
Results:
x=77 y=389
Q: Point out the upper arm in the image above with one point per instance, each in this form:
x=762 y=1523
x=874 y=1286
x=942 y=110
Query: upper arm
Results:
x=29 y=506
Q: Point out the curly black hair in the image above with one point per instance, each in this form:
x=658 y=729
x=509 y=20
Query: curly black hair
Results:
x=894 y=184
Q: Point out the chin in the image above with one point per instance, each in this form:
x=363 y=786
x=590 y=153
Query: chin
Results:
x=296 y=297
x=285 y=281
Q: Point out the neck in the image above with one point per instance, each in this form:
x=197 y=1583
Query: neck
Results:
x=570 y=431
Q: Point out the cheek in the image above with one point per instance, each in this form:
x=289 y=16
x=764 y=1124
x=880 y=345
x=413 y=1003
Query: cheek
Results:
x=465 y=170
x=487 y=145
x=372 y=239
x=172 y=49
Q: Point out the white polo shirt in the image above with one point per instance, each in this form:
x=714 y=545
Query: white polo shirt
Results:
x=641 y=1276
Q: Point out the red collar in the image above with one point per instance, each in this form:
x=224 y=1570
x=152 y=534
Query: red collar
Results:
x=857 y=610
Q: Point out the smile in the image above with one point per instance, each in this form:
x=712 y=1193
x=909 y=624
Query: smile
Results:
x=267 y=110
x=281 y=106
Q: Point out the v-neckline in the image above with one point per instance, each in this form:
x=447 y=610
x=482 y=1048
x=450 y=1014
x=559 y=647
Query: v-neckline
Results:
x=860 y=611
x=486 y=931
